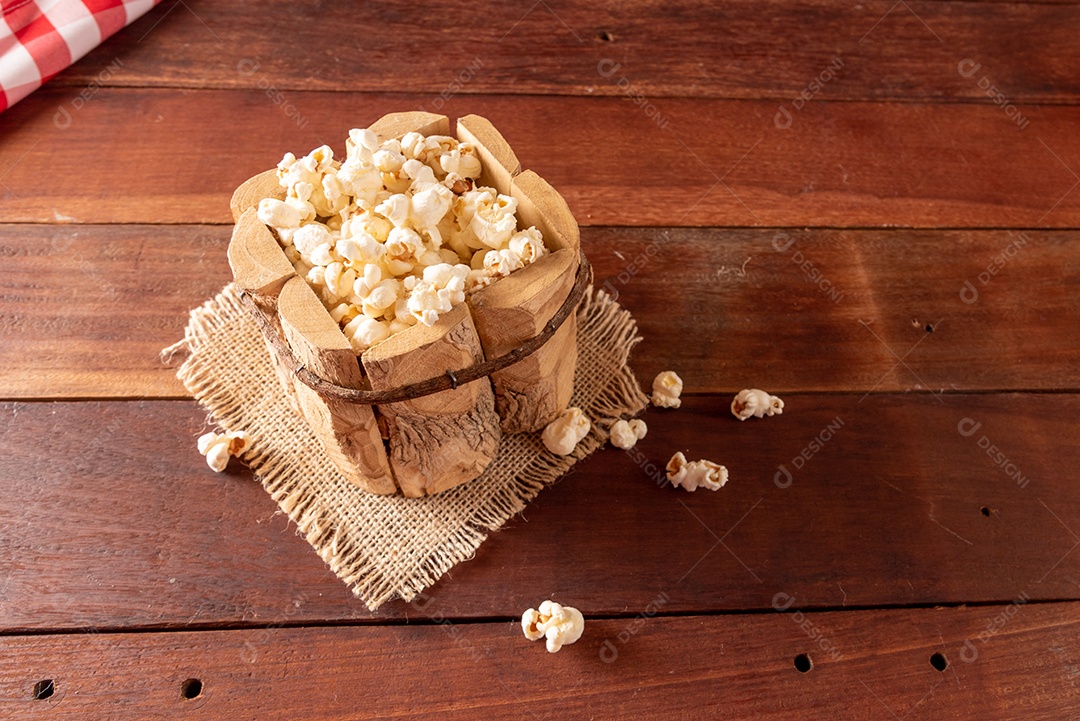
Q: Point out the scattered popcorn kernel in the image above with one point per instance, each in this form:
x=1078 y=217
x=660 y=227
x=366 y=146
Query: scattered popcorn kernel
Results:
x=530 y=621
x=667 y=387
x=219 y=447
x=756 y=403
x=564 y=433
x=695 y=474
x=560 y=625
x=626 y=434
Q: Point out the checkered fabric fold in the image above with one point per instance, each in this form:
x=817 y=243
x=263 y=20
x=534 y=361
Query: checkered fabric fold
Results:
x=39 y=38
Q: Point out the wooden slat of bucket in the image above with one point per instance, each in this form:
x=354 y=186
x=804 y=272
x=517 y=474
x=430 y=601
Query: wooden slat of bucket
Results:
x=348 y=432
x=258 y=263
x=260 y=267
x=444 y=439
x=254 y=189
x=499 y=162
x=394 y=125
x=535 y=390
x=541 y=205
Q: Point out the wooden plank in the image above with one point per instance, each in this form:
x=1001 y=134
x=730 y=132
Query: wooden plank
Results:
x=835 y=310
x=866 y=664
x=707 y=162
x=742 y=314
x=112 y=520
x=738 y=49
x=86 y=309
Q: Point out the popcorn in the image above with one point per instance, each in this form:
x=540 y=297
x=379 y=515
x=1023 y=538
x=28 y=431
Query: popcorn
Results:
x=303 y=178
x=316 y=275
x=478 y=280
x=364 y=332
x=695 y=474
x=360 y=181
x=338 y=279
x=219 y=447
x=334 y=192
x=667 y=387
x=493 y=221
x=626 y=434
x=428 y=207
x=350 y=249
x=501 y=263
x=396 y=182
x=362 y=139
x=399 y=324
x=404 y=245
x=426 y=303
x=367 y=280
x=461 y=161
x=342 y=313
x=440 y=288
x=278 y=213
x=412 y=144
x=560 y=625
x=398 y=233
x=528 y=245
x=323 y=255
x=421 y=175
x=388 y=161
x=382 y=297
x=367 y=223
x=450 y=277
x=564 y=433
x=395 y=209
x=449 y=256
x=310 y=236
x=756 y=403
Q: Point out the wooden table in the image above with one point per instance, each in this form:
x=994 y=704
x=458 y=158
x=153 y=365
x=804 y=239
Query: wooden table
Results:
x=869 y=209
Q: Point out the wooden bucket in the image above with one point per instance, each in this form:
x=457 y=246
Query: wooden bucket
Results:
x=424 y=410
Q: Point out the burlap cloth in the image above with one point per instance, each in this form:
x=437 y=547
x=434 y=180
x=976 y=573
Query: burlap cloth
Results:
x=386 y=546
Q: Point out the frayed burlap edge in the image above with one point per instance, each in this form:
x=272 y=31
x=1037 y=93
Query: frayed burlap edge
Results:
x=387 y=546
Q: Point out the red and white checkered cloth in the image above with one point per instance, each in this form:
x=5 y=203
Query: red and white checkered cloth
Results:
x=39 y=38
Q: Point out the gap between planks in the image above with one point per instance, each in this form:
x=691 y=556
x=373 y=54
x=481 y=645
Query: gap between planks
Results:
x=421 y=620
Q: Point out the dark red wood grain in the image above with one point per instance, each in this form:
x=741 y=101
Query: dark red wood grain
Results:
x=176 y=157
x=1011 y=661
x=87 y=309
x=124 y=525
x=867 y=208
x=744 y=49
